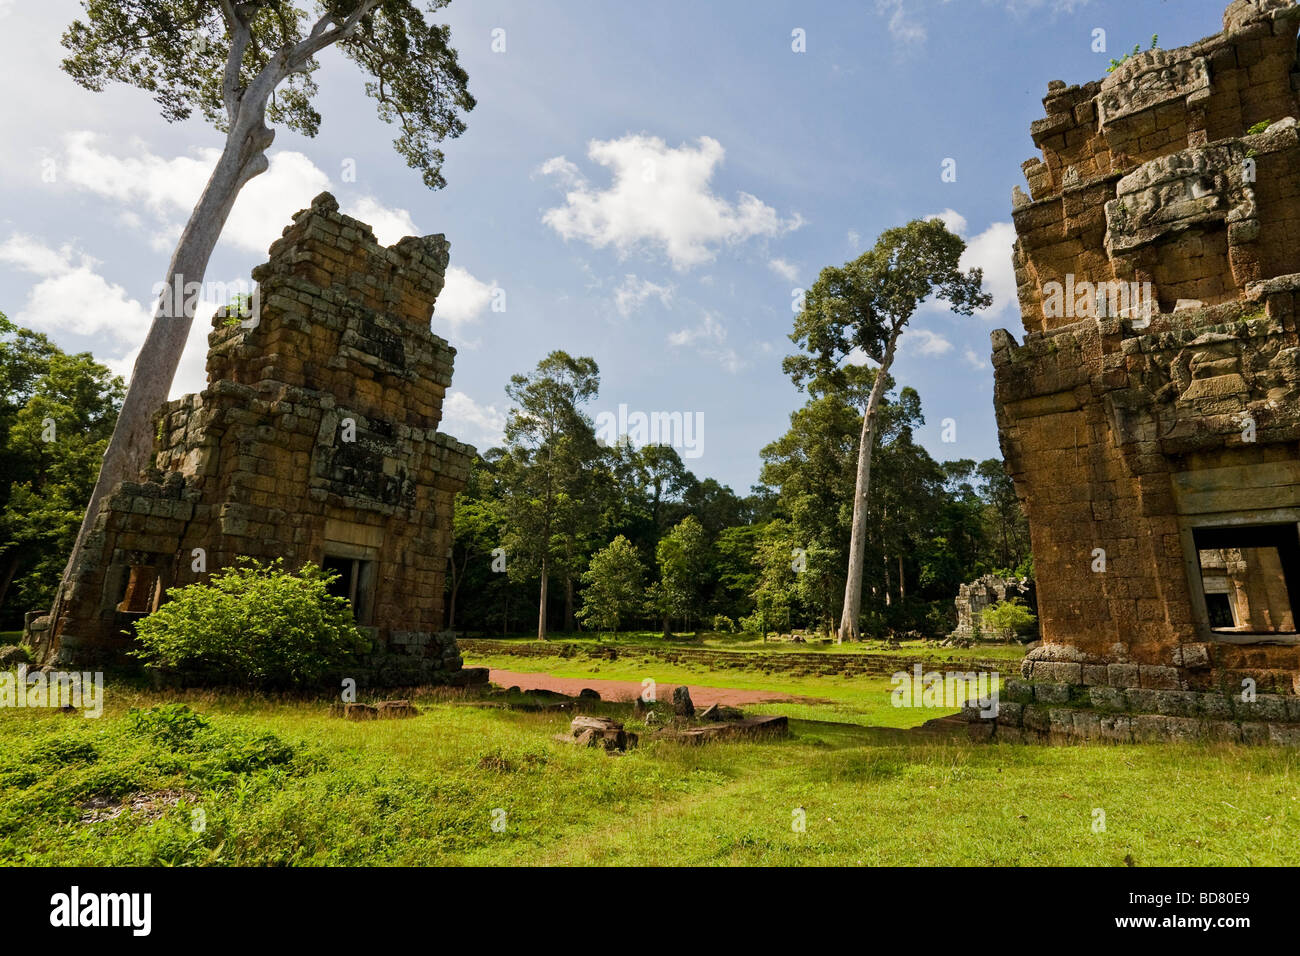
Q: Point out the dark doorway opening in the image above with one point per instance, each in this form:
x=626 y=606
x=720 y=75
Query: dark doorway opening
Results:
x=1250 y=577
x=353 y=581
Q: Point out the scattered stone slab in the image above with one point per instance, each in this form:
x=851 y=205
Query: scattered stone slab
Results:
x=721 y=712
x=383 y=710
x=598 y=732
x=750 y=728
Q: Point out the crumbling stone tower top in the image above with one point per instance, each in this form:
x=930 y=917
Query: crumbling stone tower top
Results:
x=1175 y=170
x=316 y=439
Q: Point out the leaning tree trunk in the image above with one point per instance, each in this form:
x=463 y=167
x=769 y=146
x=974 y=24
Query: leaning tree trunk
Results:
x=858 y=540
x=131 y=444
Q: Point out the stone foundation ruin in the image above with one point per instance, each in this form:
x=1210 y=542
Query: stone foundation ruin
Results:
x=316 y=439
x=1150 y=419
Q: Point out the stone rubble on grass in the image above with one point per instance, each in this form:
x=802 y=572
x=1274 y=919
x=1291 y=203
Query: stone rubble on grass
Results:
x=599 y=732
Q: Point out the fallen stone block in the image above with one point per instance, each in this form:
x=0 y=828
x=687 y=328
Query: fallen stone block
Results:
x=751 y=728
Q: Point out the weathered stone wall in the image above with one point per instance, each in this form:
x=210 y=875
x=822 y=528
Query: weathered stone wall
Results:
x=316 y=437
x=1128 y=424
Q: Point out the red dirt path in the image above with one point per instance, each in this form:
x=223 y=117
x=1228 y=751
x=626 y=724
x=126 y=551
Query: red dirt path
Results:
x=630 y=690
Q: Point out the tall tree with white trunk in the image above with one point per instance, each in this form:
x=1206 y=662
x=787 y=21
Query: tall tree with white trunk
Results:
x=858 y=311
x=246 y=67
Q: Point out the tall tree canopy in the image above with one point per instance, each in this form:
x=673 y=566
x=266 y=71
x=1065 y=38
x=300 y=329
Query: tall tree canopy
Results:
x=860 y=309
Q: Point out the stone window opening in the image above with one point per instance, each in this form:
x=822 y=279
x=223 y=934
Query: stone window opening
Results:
x=354 y=581
x=139 y=590
x=1250 y=578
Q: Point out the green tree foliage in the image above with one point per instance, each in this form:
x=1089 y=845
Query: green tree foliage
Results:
x=56 y=413
x=684 y=566
x=1007 y=620
x=615 y=586
x=253 y=624
x=545 y=472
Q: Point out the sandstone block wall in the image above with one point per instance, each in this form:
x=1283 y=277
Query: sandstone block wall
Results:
x=1143 y=429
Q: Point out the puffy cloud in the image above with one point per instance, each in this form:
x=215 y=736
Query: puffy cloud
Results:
x=925 y=342
x=632 y=293
x=389 y=225
x=660 y=197
x=463 y=298
x=786 y=270
x=482 y=426
x=991 y=251
x=167 y=189
x=71 y=297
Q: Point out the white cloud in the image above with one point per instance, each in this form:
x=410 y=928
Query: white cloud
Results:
x=167 y=189
x=786 y=270
x=632 y=293
x=482 y=426
x=709 y=340
x=973 y=358
x=463 y=298
x=991 y=251
x=389 y=225
x=70 y=297
x=905 y=30
x=659 y=197
x=855 y=238
x=926 y=342
x=955 y=221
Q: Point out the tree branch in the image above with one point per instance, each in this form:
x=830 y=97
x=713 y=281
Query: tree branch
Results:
x=240 y=36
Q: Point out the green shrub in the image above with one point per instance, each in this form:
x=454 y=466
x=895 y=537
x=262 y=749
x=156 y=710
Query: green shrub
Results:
x=169 y=724
x=1007 y=620
x=255 y=625
x=723 y=624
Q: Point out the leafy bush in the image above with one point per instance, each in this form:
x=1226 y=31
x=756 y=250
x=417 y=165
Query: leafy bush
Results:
x=253 y=624
x=1007 y=620
x=169 y=724
x=723 y=624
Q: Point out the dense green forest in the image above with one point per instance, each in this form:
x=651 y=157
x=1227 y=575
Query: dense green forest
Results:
x=629 y=537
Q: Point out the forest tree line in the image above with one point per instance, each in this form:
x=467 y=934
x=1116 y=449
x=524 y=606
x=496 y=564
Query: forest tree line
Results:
x=628 y=538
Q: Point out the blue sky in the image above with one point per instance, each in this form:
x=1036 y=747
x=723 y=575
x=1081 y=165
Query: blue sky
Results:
x=646 y=184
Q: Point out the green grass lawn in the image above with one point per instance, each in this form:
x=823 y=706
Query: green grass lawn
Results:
x=281 y=782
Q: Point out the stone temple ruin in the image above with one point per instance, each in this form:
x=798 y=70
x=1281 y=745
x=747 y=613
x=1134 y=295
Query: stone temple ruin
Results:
x=1150 y=418
x=316 y=439
x=977 y=596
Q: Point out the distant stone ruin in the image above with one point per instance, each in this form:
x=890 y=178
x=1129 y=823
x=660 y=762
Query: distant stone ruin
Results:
x=316 y=439
x=1150 y=419
x=982 y=593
